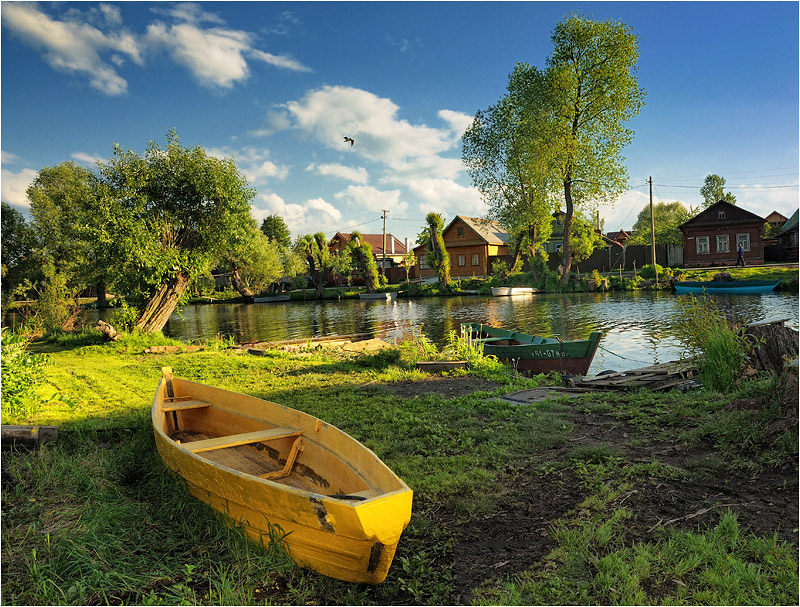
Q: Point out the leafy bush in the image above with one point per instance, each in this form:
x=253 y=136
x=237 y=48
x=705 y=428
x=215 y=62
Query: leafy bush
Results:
x=649 y=271
x=124 y=317
x=21 y=371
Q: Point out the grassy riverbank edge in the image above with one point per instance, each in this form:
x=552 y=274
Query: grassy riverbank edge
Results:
x=96 y=517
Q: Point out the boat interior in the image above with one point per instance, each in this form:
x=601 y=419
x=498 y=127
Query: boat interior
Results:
x=255 y=447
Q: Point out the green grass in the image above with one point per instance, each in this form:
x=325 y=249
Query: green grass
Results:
x=96 y=518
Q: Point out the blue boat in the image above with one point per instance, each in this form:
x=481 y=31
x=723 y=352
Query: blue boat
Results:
x=741 y=287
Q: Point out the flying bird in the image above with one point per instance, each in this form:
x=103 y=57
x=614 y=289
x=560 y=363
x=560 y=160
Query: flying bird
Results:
x=351 y=140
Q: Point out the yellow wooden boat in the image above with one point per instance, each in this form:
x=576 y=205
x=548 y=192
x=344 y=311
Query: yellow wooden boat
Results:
x=264 y=465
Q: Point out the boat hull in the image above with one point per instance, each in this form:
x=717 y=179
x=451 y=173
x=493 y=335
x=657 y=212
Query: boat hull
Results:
x=743 y=287
x=352 y=537
x=387 y=296
x=510 y=291
x=533 y=355
x=272 y=299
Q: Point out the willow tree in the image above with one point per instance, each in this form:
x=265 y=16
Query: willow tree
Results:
x=167 y=217
x=436 y=256
x=363 y=260
x=318 y=256
x=591 y=92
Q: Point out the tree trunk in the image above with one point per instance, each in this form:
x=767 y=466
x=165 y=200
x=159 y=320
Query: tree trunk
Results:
x=320 y=283
x=238 y=284
x=774 y=343
x=102 y=301
x=566 y=258
x=157 y=309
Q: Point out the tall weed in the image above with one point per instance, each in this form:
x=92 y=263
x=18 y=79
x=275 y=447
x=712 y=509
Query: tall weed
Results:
x=720 y=344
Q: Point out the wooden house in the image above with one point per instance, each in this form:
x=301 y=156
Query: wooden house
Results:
x=473 y=245
x=787 y=239
x=395 y=251
x=711 y=238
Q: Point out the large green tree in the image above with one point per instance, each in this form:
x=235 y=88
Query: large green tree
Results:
x=668 y=216
x=505 y=155
x=255 y=264
x=63 y=201
x=318 y=256
x=274 y=227
x=713 y=191
x=17 y=248
x=166 y=217
x=591 y=92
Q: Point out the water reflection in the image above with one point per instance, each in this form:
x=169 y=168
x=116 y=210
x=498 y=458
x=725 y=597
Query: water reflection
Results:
x=635 y=326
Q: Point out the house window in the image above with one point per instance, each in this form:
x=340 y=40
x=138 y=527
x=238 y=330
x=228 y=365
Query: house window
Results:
x=460 y=232
x=723 y=244
x=721 y=215
x=702 y=244
x=744 y=240
x=558 y=246
x=423 y=262
x=462 y=260
x=476 y=259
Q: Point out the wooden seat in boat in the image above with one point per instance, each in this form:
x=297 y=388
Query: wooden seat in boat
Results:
x=235 y=440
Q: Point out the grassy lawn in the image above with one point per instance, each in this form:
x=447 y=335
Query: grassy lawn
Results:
x=601 y=499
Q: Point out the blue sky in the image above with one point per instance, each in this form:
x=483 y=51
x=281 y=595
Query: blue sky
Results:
x=277 y=85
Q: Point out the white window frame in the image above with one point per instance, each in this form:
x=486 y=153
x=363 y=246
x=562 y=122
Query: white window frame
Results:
x=703 y=245
x=423 y=263
x=723 y=243
x=462 y=261
x=476 y=259
x=744 y=239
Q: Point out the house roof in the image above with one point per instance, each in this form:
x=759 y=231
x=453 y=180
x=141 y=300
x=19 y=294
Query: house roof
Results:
x=616 y=235
x=491 y=231
x=376 y=242
x=790 y=223
x=776 y=217
x=733 y=215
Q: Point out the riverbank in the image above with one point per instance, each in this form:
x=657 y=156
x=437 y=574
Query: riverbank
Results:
x=638 y=498
x=787 y=274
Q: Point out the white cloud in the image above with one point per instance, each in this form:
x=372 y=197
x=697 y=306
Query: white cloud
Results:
x=73 y=47
x=281 y=61
x=458 y=121
x=254 y=163
x=309 y=217
x=373 y=199
x=86 y=159
x=332 y=112
x=13 y=186
x=445 y=195
x=215 y=57
x=9 y=158
x=354 y=174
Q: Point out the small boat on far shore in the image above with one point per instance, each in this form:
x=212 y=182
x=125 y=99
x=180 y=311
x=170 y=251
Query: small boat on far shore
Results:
x=272 y=298
x=387 y=296
x=508 y=291
x=741 y=287
x=532 y=354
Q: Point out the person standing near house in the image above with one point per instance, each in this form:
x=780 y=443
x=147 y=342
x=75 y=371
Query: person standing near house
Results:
x=740 y=259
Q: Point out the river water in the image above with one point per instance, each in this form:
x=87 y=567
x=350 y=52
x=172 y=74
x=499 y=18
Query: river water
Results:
x=635 y=325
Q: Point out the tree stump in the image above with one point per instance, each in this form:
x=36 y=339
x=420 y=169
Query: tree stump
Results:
x=109 y=331
x=773 y=344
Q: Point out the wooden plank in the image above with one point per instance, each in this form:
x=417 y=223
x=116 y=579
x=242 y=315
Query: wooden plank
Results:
x=27 y=436
x=235 y=440
x=180 y=405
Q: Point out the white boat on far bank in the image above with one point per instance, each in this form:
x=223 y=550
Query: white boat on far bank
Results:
x=389 y=296
x=506 y=291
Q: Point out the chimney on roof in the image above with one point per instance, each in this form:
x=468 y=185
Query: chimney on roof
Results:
x=406 y=241
x=391 y=238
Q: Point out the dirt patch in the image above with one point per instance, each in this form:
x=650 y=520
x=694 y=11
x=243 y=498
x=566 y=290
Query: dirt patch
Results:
x=518 y=536
x=448 y=387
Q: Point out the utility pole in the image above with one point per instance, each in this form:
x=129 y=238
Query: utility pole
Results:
x=653 y=228
x=383 y=264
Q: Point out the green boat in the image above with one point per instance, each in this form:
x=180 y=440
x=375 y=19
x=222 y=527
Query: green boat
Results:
x=532 y=354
